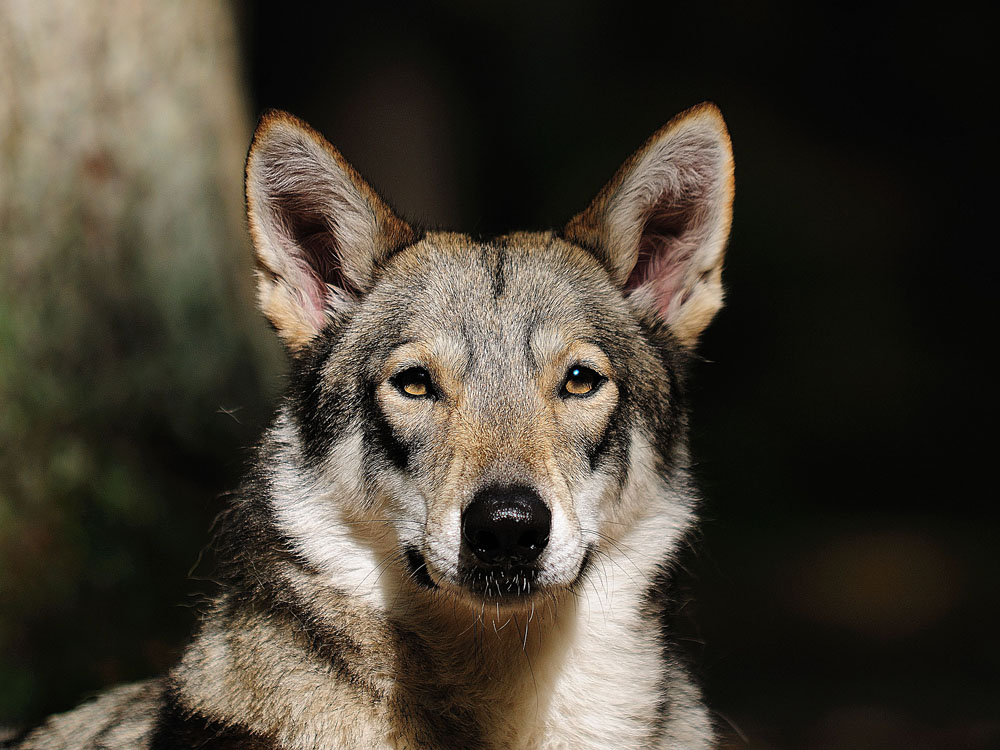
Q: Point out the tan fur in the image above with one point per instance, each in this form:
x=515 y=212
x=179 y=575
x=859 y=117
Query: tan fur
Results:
x=524 y=680
x=328 y=635
x=537 y=672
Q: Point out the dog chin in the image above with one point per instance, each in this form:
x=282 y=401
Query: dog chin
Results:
x=511 y=588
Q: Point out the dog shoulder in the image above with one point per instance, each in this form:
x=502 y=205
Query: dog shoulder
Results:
x=124 y=717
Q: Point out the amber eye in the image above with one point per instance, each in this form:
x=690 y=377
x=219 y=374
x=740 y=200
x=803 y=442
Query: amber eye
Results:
x=581 y=381
x=414 y=382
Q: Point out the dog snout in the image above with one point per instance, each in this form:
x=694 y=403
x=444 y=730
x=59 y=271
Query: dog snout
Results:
x=505 y=525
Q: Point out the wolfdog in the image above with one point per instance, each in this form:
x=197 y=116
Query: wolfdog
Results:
x=455 y=532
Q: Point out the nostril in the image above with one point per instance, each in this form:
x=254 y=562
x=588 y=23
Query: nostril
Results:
x=532 y=540
x=485 y=540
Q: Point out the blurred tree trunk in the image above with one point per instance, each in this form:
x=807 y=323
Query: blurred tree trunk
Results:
x=126 y=329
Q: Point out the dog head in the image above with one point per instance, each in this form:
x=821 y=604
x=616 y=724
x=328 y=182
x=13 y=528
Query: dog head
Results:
x=484 y=416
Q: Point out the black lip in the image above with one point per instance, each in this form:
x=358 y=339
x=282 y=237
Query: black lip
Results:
x=418 y=568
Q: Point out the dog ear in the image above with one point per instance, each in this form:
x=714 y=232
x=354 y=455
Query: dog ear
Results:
x=318 y=230
x=660 y=225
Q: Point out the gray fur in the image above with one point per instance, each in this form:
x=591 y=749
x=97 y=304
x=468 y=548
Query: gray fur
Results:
x=347 y=615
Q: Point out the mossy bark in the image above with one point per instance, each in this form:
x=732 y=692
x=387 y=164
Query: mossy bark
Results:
x=132 y=364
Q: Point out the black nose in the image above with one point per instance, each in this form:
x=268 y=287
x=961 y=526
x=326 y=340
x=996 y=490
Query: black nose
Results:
x=504 y=525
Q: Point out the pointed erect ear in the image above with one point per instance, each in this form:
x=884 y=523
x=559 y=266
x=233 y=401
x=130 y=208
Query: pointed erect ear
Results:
x=660 y=226
x=319 y=231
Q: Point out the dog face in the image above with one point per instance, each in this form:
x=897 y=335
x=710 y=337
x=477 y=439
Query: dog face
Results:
x=485 y=414
x=493 y=416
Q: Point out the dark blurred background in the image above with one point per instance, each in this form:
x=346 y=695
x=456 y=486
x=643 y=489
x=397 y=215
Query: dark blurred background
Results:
x=845 y=592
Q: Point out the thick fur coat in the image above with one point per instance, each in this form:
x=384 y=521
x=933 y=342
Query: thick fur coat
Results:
x=445 y=392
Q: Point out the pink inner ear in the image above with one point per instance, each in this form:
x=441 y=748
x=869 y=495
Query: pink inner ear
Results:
x=313 y=246
x=663 y=253
x=312 y=292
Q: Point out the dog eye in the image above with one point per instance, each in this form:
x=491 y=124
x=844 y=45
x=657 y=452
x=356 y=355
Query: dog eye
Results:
x=581 y=381
x=414 y=382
